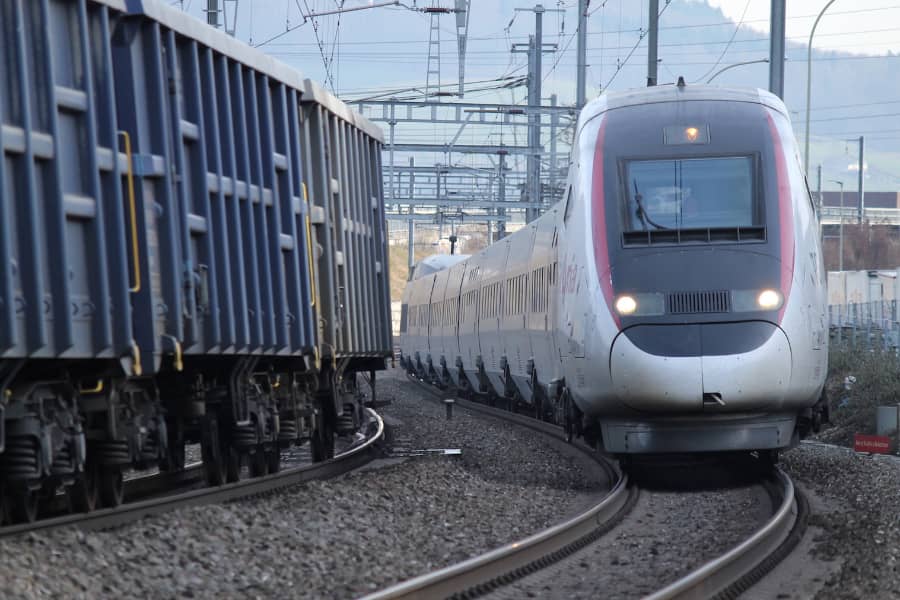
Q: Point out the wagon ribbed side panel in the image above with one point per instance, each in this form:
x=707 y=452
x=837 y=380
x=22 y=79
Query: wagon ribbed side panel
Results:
x=63 y=278
x=383 y=293
x=245 y=220
x=344 y=172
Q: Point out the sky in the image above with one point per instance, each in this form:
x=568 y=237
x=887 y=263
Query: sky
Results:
x=383 y=52
x=371 y=48
x=880 y=19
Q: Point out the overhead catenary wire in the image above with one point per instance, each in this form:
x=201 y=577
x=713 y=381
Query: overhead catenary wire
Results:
x=641 y=37
x=728 y=45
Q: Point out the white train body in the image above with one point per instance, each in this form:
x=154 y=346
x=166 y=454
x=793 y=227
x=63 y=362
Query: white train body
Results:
x=673 y=302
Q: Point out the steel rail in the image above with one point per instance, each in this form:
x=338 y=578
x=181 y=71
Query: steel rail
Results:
x=132 y=511
x=518 y=558
x=719 y=574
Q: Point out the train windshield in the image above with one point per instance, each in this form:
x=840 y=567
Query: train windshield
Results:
x=690 y=194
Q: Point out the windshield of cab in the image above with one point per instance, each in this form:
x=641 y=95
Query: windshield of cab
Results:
x=710 y=193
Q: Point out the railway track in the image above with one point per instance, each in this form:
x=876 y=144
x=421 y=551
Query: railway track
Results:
x=342 y=463
x=512 y=561
x=727 y=576
x=737 y=570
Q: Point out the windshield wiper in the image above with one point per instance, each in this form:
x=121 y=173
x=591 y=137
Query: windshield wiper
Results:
x=642 y=212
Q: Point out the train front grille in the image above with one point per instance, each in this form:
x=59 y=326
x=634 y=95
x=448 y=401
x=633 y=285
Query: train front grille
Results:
x=691 y=303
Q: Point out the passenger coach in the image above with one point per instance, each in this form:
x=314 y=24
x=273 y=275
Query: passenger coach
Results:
x=674 y=301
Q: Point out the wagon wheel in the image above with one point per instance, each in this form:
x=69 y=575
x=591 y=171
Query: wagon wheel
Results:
x=174 y=458
x=24 y=505
x=537 y=397
x=211 y=452
x=322 y=439
x=5 y=517
x=84 y=493
x=569 y=424
x=273 y=460
x=258 y=462
x=112 y=486
x=233 y=462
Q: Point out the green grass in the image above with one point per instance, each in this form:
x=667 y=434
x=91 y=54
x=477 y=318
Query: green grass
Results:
x=877 y=374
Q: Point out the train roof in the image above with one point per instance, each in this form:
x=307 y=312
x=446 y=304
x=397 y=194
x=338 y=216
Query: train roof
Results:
x=436 y=262
x=679 y=93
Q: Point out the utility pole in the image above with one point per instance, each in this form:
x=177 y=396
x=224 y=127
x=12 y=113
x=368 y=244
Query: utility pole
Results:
x=212 y=13
x=652 y=44
x=862 y=202
x=535 y=76
x=776 y=48
x=581 y=92
x=819 y=190
x=411 y=234
x=841 y=228
x=433 y=63
x=501 y=193
x=462 y=33
x=554 y=127
x=534 y=121
x=392 y=125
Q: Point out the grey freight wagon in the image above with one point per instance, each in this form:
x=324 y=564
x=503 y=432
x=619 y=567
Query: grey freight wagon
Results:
x=192 y=249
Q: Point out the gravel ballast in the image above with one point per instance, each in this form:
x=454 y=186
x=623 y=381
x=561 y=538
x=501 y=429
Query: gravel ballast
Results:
x=858 y=521
x=335 y=539
x=665 y=536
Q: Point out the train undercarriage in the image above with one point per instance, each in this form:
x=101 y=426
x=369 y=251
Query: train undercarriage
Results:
x=552 y=403
x=78 y=428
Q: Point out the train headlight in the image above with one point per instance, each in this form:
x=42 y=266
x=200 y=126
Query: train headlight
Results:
x=756 y=300
x=641 y=304
x=626 y=305
x=769 y=299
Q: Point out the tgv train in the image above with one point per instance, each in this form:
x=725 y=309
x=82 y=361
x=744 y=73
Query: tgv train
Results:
x=674 y=301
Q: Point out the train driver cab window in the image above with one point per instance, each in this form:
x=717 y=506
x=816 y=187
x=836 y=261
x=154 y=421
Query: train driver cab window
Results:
x=673 y=197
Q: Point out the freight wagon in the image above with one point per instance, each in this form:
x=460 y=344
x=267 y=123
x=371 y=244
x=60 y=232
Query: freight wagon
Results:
x=192 y=249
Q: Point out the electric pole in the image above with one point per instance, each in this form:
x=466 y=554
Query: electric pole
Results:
x=581 y=92
x=862 y=202
x=819 y=191
x=535 y=77
x=462 y=34
x=433 y=63
x=652 y=43
x=776 y=49
x=212 y=13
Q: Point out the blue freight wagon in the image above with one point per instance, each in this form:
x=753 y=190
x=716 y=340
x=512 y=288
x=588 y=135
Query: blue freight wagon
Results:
x=192 y=249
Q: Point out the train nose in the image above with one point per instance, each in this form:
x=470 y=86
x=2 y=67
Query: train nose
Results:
x=695 y=369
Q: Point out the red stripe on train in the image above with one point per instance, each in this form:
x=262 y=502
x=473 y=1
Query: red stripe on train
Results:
x=785 y=215
x=598 y=224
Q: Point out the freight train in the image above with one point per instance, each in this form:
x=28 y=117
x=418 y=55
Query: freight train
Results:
x=192 y=249
x=672 y=302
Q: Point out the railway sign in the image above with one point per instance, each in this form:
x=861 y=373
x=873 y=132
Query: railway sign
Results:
x=873 y=444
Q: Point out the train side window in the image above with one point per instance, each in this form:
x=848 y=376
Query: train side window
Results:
x=524 y=291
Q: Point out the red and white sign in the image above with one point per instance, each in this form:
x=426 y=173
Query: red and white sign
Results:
x=873 y=444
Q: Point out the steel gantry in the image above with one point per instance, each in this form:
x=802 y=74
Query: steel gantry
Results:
x=445 y=177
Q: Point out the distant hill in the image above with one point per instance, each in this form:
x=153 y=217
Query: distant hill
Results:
x=869 y=85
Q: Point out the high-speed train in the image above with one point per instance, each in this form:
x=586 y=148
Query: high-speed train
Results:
x=672 y=302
